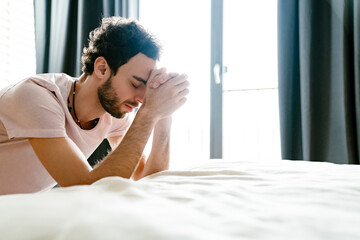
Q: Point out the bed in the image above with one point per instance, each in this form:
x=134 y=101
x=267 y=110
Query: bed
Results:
x=217 y=199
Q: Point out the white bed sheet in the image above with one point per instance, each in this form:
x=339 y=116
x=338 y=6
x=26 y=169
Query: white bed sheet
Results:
x=219 y=199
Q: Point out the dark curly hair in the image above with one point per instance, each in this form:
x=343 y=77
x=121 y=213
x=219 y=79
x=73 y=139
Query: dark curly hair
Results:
x=117 y=40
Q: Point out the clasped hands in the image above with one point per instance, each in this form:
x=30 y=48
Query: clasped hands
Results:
x=165 y=93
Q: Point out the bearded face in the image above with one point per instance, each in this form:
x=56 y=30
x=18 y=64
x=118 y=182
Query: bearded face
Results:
x=111 y=102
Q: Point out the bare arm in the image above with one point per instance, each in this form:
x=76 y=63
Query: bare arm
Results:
x=125 y=157
x=114 y=141
x=68 y=166
x=160 y=151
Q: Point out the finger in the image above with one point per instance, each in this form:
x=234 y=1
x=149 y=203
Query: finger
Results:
x=155 y=73
x=163 y=69
x=155 y=85
x=163 y=79
x=183 y=93
x=158 y=79
x=170 y=76
x=179 y=79
x=181 y=102
x=173 y=74
x=180 y=87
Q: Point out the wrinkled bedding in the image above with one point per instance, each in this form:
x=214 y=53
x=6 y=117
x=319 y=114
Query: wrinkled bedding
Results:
x=218 y=199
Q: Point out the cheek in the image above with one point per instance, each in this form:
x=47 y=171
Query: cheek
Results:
x=142 y=92
x=125 y=93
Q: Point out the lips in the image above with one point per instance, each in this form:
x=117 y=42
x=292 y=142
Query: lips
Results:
x=129 y=107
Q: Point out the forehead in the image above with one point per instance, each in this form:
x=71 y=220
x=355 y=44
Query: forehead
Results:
x=140 y=65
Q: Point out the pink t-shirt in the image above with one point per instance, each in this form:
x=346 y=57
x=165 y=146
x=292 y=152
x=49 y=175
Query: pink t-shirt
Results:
x=37 y=107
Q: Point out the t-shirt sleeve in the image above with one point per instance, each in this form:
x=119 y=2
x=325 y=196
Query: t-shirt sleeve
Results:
x=30 y=110
x=119 y=126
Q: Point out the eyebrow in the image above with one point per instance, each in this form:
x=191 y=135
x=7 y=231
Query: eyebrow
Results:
x=140 y=79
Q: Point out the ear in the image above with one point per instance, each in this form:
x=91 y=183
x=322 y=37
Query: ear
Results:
x=101 y=68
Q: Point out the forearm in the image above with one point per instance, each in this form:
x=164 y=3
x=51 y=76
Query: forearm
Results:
x=160 y=103
x=123 y=160
x=160 y=152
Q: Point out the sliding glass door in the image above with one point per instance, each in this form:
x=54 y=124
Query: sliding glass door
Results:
x=244 y=95
x=228 y=49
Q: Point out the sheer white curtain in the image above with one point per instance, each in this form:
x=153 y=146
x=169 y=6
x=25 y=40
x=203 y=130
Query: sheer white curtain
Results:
x=17 y=41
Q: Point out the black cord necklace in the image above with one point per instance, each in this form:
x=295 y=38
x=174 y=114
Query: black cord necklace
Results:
x=93 y=122
x=73 y=105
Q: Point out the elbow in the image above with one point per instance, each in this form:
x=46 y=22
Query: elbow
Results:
x=69 y=182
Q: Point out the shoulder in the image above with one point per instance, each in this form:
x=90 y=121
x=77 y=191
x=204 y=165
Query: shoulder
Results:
x=53 y=86
x=31 y=101
x=27 y=94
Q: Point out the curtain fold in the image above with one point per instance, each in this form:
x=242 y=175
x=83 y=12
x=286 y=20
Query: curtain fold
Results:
x=318 y=42
x=62 y=29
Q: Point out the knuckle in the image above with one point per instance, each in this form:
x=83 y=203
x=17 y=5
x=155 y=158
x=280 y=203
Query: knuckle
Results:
x=185 y=76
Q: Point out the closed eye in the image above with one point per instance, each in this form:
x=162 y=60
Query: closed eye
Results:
x=134 y=85
x=139 y=79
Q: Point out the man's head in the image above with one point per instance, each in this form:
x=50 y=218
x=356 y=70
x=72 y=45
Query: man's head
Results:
x=118 y=40
x=130 y=53
x=123 y=92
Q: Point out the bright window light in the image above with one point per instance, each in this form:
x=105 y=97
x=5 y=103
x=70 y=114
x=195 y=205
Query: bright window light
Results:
x=183 y=27
x=250 y=94
x=17 y=41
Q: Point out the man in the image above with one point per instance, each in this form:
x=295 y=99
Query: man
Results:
x=51 y=123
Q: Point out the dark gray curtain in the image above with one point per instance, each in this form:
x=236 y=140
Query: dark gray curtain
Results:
x=62 y=29
x=319 y=74
x=63 y=26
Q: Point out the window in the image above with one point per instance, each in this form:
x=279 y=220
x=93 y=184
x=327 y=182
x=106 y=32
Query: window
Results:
x=250 y=85
x=17 y=41
x=249 y=120
x=183 y=27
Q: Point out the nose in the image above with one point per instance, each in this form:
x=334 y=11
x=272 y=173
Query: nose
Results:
x=140 y=96
x=139 y=100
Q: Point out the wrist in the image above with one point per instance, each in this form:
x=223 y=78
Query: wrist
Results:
x=146 y=113
x=165 y=120
x=164 y=123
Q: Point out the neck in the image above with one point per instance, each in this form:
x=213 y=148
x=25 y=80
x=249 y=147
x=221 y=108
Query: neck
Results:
x=84 y=117
x=73 y=105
